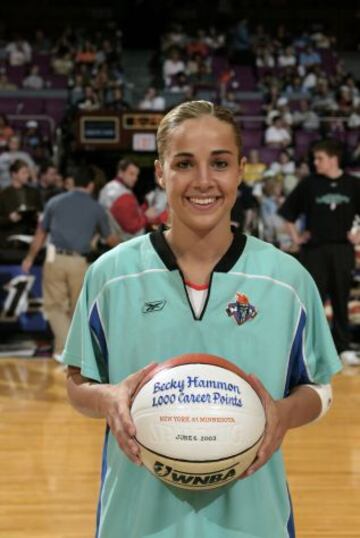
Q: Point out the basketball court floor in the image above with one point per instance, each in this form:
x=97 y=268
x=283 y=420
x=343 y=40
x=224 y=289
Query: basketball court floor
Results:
x=50 y=459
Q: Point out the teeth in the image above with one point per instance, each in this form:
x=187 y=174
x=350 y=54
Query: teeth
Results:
x=202 y=201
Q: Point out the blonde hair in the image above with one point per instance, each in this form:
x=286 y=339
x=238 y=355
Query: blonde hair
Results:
x=189 y=111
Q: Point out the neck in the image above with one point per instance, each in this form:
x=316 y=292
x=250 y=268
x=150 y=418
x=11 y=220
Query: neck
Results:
x=335 y=174
x=190 y=246
x=16 y=184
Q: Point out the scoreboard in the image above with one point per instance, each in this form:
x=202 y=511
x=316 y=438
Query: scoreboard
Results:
x=126 y=131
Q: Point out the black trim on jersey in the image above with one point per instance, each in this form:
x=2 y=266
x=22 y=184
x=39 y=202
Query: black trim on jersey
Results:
x=224 y=265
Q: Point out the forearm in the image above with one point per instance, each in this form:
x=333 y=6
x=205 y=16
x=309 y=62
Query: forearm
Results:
x=302 y=406
x=292 y=231
x=85 y=395
x=37 y=243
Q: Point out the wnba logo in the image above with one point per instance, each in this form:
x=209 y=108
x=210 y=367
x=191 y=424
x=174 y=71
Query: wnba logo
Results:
x=167 y=473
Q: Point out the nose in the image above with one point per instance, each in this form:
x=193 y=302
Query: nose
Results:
x=204 y=177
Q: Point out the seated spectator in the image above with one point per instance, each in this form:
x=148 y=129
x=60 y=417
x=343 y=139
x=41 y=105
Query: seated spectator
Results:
x=32 y=137
x=101 y=78
x=6 y=132
x=152 y=100
x=283 y=109
x=172 y=66
x=310 y=79
x=5 y=84
x=284 y=165
x=198 y=45
x=174 y=37
x=33 y=81
x=193 y=64
x=180 y=83
x=77 y=88
x=90 y=101
x=287 y=58
x=230 y=102
x=63 y=65
x=290 y=181
x=86 y=54
x=215 y=39
x=228 y=81
x=204 y=76
x=14 y=153
x=295 y=86
x=254 y=168
x=277 y=135
x=305 y=118
x=20 y=204
x=309 y=56
x=117 y=101
x=265 y=58
x=323 y=100
x=344 y=101
x=19 y=52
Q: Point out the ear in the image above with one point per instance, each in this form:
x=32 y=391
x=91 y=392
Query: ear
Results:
x=241 y=168
x=159 y=173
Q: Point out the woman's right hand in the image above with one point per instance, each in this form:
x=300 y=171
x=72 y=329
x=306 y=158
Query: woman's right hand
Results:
x=115 y=406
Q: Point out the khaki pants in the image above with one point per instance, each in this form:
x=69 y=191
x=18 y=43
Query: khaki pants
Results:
x=62 y=282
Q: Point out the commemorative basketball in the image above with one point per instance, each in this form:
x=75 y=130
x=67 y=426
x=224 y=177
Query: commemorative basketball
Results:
x=199 y=422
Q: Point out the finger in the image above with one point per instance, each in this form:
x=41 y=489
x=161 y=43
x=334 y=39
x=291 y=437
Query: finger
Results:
x=126 y=443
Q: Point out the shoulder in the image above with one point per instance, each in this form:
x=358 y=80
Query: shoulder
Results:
x=130 y=259
x=264 y=260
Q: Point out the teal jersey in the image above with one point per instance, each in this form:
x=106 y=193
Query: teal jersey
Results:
x=134 y=309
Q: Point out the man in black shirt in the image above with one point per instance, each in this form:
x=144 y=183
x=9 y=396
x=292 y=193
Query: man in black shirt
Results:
x=329 y=201
x=20 y=205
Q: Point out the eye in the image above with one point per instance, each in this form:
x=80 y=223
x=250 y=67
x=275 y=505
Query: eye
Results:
x=183 y=164
x=220 y=164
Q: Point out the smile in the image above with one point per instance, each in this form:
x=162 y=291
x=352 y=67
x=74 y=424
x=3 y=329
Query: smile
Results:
x=204 y=203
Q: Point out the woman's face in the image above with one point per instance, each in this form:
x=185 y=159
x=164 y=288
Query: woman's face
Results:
x=201 y=173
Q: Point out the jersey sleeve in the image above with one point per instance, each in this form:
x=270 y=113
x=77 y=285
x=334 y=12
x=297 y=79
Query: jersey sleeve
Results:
x=86 y=346
x=295 y=203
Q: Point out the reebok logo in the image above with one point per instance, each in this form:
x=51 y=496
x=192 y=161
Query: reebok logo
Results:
x=153 y=306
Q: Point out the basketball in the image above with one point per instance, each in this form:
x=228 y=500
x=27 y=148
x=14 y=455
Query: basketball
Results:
x=199 y=422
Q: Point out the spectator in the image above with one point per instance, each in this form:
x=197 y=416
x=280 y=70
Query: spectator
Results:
x=354 y=118
x=152 y=100
x=90 y=101
x=117 y=101
x=305 y=118
x=277 y=135
x=127 y=173
x=284 y=165
x=86 y=54
x=32 y=136
x=173 y=65
x=180 y=83
x=63 y=64
x=41 y=43
x=19 y=52
x=6 y=132
x=287 y=58
x=230 y=102
x=13 y=154
x=5 y=84
x=198 y=45
x=265 y=58
x=274 y=228
x=20 y=204
x=309 y=57
x=127 y=211
x=323 y=100
x=49 y=184
x=33 y=81
x=254 y=168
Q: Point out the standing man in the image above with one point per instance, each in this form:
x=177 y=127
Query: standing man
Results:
x=118 y=197
x=70 y=220
x=329 y=200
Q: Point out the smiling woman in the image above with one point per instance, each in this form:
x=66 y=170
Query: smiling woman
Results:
x=198 y=287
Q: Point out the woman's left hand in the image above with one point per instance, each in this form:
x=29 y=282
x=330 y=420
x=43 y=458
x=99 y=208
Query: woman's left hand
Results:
x=275 y=428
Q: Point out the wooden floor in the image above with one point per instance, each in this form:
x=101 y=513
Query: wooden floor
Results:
x=50 y=458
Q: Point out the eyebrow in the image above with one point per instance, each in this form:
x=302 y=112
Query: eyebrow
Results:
x=215 y=152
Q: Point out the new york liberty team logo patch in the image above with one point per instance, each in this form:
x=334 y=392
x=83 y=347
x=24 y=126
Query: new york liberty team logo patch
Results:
x=241 y=310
